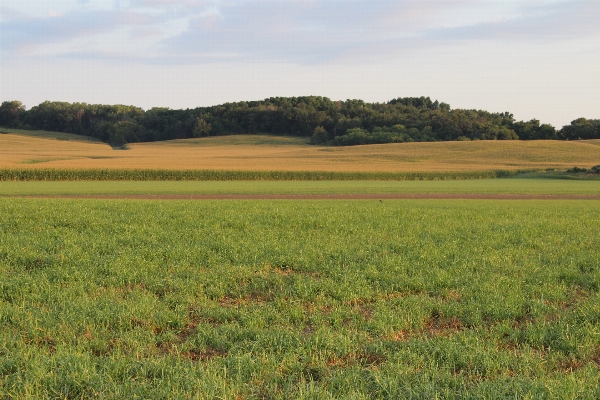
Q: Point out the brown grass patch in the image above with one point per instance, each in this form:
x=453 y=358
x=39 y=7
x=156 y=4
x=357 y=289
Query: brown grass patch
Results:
x=253 y=298
x=402 y=335
x=45 y=341
x=364 y=359
x=435 y=327
x=571 y=364
x=361 y=306
x=187 y=331
x=596 y=356
x=257 y=152
x=452 y=295
x=442 y=327
x=204 y=355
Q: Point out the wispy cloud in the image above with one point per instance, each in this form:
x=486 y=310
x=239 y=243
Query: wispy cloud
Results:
x=546 y=23
x=301 y=32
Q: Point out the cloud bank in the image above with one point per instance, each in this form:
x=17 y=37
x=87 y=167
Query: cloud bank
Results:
x=299 y=32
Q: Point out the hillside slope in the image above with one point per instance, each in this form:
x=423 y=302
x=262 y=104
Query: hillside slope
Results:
x=265 y=152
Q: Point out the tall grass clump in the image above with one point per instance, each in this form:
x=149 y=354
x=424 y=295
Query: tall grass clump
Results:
x=232 y=175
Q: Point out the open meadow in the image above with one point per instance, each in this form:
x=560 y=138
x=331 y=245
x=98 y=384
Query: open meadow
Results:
x=276 y=299
x=38 y=149
x=299 y=299
x=261 y=200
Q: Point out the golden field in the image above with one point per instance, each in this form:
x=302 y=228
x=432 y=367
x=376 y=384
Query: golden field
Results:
x=263 y=152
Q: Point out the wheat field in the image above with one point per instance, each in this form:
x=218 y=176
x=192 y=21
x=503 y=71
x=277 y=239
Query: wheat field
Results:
x=264 y=152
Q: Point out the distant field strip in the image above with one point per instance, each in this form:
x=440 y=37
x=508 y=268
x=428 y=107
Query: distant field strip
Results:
x=299 y=299
x=380 y=197
x=233 y=175
x=506 y=186
x=276 y=153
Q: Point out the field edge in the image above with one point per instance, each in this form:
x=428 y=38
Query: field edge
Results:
x=15 y=174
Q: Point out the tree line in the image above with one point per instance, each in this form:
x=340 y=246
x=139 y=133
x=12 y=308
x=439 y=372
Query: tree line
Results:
x=350 y=122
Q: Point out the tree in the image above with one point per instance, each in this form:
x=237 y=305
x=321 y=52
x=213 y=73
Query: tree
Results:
x=319 y=135
x=201 y=128
x=581 y=128
x=124 y=132
x=10 y=113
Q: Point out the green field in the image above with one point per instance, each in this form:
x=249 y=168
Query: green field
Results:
x=299 y=299
x=479 y=186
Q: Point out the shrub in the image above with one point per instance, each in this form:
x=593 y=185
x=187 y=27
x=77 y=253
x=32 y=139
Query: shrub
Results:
x=319 y=135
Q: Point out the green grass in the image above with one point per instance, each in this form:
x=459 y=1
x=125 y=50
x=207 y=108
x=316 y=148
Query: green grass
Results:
x=559 y=174
x=50 y=135
x=299 y=299
x=482 y=186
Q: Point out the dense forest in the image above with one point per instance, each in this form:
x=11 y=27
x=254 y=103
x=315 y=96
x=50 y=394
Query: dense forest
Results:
x=349 y=122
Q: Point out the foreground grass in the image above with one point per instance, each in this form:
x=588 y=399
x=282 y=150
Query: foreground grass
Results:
x=480 y=186
x=313 y=299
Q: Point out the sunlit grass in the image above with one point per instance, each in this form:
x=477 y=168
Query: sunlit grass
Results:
x=476 y=186
x=281 y=299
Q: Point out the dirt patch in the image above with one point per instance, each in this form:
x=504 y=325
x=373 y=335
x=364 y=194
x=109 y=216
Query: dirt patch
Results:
x=363 y=359
x=253 y=298
x=355 y=196
x=442 y=327
x=435 y=327
x=204 y=355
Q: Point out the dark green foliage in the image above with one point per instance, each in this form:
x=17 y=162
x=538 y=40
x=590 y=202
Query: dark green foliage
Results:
x=594 y=170
x=582 y=128
x=421 y=119
x=532 y=130
x=319 y=135
x=10 y=113
x=201 y=128
x=395 y=134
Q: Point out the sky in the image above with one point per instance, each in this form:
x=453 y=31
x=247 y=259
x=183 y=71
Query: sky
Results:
x=534 y=58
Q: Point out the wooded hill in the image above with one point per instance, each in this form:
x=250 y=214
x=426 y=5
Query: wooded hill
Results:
x=349 y=122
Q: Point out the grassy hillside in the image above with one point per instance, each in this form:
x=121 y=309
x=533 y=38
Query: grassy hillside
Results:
x=264 y=152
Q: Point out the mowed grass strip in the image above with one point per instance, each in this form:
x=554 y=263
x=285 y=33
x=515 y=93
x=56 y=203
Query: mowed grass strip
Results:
x=276 y=153
x=473 y=186
x=279 y=299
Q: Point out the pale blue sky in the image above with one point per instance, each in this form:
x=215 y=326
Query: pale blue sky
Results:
x=534 y=58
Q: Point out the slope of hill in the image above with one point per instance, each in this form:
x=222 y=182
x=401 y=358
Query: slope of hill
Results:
x=266 y=152
x=51 y=135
